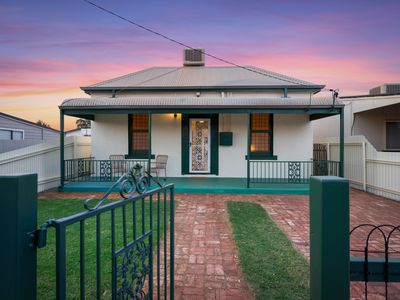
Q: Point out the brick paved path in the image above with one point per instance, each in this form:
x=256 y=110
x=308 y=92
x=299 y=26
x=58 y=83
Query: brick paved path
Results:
x=206 y=258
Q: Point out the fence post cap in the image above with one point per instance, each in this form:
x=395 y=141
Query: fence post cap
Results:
x=328 y=179
x=17 y=175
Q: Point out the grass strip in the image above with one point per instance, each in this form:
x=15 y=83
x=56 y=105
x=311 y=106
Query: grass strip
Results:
x=271 y=266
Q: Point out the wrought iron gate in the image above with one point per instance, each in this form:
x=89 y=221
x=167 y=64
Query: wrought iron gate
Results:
x=139 y=224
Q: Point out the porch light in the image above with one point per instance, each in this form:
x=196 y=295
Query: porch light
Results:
x=252 y=147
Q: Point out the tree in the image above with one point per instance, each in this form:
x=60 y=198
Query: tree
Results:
x=82 y=124
x=43 y=123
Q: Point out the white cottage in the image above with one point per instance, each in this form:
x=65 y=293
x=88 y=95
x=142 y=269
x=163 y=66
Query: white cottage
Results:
x=227 y=122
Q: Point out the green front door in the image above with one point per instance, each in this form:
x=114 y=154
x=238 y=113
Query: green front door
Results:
x=200 y=144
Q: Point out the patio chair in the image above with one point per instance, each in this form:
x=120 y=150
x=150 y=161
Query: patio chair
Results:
x=118 y=164
x=159 y=164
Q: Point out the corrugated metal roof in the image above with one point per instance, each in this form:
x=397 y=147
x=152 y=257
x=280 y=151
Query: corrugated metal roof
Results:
x=195 y=102
x=27 y=122
x=201 y=77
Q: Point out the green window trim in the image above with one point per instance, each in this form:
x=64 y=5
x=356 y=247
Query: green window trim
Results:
x=257 y=156
x=265 y=155
x=136 y=155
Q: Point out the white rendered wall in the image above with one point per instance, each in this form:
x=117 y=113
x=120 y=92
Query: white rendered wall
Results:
x=109 y=135
x=292 y=140
x=327 y=127
x=232 y=161
x=293 y=137
x=166 y=139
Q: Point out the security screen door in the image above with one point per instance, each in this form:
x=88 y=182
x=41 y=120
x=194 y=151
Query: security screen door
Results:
x=199 y=145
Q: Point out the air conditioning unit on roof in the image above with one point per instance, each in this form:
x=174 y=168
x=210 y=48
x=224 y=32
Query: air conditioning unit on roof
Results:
x=193 y=57
x=388 y=88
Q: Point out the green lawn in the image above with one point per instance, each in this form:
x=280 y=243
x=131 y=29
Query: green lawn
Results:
x=57 y=208
x=271 y=266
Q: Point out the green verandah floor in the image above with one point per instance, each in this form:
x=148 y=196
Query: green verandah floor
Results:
x=205 y=185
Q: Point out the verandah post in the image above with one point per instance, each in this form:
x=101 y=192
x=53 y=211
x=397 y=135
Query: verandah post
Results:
x=149 y=142
x=18 y=218
x=329 y=238
x=341 y=166
x=172 y=242
x=62 y=171
x=248 y=148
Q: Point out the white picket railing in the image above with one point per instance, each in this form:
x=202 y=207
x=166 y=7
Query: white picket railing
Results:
x=367 y=169
x=44 y=159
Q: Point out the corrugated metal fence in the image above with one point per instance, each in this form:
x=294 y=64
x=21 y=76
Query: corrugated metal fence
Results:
x=44 y=159
x=366 y=168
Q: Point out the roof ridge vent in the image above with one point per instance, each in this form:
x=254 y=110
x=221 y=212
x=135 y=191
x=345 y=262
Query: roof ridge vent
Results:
x=193 y=57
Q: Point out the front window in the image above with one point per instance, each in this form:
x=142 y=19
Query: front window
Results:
x=261 y=135
x=393 y=135
x=139 y=135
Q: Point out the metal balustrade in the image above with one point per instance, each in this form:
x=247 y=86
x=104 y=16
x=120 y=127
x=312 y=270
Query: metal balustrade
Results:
x=267 y=171
x=89 y=169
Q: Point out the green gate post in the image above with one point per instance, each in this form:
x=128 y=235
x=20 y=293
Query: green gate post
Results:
x=18 y=217
x=248 y=148
x=329 y=238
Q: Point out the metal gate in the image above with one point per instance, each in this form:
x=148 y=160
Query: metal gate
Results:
x=141 y=241
x=376 y=260
x=320 y=152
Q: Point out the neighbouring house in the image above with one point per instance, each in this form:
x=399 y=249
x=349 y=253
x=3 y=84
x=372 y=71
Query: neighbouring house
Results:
x=17 y=133
x=212 y=122
x=375 y=116
x=372 y=140
x=79 y=132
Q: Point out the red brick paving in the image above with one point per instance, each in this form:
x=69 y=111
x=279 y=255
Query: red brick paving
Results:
x=206 y=258
x=291 y=214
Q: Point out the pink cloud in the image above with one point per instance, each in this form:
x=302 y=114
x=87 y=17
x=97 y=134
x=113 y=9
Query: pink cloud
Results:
x=349 y=75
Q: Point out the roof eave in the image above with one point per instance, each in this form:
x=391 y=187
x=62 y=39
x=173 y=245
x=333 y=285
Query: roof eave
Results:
x=369 y=96
x=89 y=89
x=147 y=107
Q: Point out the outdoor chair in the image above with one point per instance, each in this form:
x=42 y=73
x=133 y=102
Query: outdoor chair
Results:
x=159 y=164
x=118 y=164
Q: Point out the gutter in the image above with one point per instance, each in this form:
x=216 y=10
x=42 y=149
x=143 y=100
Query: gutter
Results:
x=204 y=88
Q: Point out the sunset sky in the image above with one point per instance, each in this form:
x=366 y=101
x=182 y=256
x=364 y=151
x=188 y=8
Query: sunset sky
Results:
x=48 y=49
